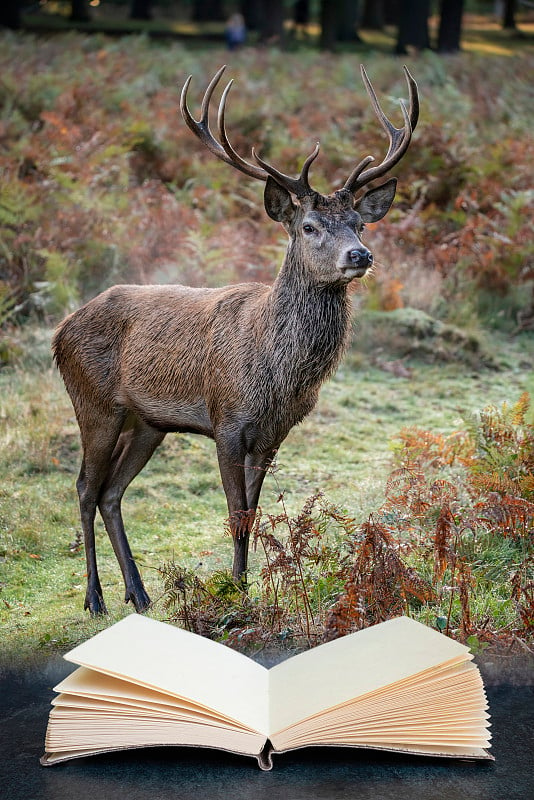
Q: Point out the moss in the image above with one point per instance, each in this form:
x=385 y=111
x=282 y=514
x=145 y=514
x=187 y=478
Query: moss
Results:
x=413 y=334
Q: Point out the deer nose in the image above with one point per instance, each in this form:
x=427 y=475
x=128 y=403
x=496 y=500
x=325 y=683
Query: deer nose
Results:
x=361 y=257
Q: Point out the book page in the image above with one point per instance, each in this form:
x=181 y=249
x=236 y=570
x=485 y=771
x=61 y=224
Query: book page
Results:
x=180 y=663
x=71 y=730
x=84 y=684
x=353 y=666
x=432 y=712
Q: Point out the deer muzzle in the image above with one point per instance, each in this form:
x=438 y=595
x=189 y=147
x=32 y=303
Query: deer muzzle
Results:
x=360 y=257
x=358 y=261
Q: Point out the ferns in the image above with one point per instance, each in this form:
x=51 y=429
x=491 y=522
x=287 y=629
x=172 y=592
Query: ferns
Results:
x=16 y=207
x=451 y=545
x=504 y=450
x=90 y=131
x=490 y=500
x=380 y=583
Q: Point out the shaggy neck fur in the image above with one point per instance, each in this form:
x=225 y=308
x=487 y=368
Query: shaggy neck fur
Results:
x=306 y=323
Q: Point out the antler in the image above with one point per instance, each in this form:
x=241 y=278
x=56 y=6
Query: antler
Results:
x=224 y=150
x=399 y=138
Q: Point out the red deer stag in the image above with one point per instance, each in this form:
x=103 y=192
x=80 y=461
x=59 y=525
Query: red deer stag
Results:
x=242 y=364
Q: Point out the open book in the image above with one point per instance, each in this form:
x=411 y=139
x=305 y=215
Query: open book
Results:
x=396 y=686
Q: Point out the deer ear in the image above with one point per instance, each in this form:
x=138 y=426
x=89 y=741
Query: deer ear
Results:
x=278 y=202
x=376 y=203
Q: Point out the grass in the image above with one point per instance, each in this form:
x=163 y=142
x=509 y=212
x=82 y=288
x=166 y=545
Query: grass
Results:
x=175 y=510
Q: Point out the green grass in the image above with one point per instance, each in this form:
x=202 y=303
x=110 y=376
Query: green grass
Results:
x=175 y=510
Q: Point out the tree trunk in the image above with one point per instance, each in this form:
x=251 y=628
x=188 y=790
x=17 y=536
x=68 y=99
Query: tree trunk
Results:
x=347 y=21
x=207 y=11
x=508 y=14
x=141 y=9
x=391 y=12
x=413 y=25
x=10 y=14
x=373 y=15
x=328 y=18
x=252 y=13
x=79 y=11
x=450 y=26
x=272 y=21
x=301 y=12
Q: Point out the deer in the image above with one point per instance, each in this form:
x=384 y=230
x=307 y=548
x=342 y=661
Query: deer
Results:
x=242 y=364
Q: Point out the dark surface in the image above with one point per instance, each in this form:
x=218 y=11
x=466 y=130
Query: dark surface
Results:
x=329 y=773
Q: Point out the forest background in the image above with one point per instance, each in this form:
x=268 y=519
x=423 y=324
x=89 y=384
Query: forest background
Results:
x=410 y=488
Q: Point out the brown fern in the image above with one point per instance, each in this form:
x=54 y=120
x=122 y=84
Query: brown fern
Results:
x=435 y=450
x=379 y=586
x=406 y=487
x=465 y=584
x=493 y=483
x=522 y=584
x=443 y=536
x=507 y=515
x=520 y=409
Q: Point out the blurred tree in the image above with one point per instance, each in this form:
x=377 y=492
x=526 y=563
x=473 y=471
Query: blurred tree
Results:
x=338 y=20
x=10 y=14
x=377 y=13
x=450 y=26
x=79 y=11
x=251 y=10
x=301 y=14
x=373 y=17
x=413 y=25
x=328 y=20
x=508 y=14
x=272 y=17
x=208 y=10
x=347 y=21
x=391 y=12
x=141 y=9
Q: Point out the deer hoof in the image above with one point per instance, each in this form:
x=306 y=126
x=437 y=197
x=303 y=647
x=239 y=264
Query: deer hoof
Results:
x=139 y=599
x=94 y=603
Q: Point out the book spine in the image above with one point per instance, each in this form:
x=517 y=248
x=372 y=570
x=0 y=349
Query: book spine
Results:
x=265 y=759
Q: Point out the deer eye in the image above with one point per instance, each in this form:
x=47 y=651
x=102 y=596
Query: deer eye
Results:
x=309 y=229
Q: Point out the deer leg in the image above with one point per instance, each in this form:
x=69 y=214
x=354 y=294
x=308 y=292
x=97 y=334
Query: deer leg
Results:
x=99 y=440
x=94 y=600
x=232 y=468
x=256 y=468
x=134 y=449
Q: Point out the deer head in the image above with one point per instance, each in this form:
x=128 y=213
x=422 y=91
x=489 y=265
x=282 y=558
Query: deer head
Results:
x=325 y=230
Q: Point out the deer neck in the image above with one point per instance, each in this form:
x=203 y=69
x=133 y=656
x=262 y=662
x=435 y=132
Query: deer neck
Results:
x=308 y=324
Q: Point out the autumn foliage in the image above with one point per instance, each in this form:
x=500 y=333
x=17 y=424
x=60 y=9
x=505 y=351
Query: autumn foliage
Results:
x=102 y=182
x=446 y=547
